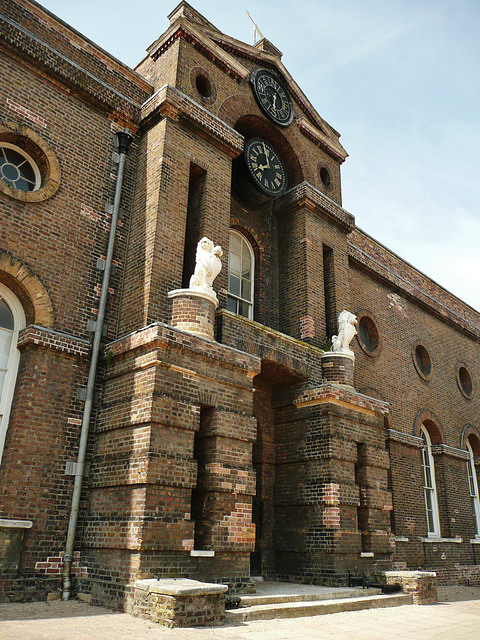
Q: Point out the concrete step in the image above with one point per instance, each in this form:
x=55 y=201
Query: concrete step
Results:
x=326 y=594
x=304 y=608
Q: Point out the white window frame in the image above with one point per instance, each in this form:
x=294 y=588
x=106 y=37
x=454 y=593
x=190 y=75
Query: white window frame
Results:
x=30 y=161
x=430 y=488
x=473 y=488
x=19 y=323
x=232 y=296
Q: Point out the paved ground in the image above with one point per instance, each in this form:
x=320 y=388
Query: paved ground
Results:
x=456 y=617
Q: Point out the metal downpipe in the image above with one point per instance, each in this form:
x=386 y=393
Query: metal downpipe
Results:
x=124 y=141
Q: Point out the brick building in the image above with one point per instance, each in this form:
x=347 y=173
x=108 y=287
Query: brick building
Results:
x=217 y=444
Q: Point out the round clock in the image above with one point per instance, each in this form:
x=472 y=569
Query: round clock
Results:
x=272 y=97
x=265 y=167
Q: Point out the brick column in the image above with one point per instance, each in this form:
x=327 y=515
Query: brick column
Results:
x=309 y=222
x=194 y=311
x=146 y=465
x=338 y=368
x=323 y=485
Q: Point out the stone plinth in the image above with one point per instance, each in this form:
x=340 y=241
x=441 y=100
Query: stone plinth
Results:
x=194 y=311
x=179 y=602
x=421 y=584
x=338 y=368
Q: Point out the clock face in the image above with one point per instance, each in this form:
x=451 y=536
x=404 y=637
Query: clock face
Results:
x=265 y=167
x=272 y=97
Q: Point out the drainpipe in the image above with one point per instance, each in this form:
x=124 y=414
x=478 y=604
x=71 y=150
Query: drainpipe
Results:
x=124 y=141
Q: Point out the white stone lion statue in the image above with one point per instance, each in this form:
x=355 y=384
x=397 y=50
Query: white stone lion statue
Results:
x=207 y=265
x=346 y=332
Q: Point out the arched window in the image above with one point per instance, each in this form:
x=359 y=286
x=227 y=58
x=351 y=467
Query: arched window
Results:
x=12 y=319
x=429 y=486
x=473 y=487
x=241 y=268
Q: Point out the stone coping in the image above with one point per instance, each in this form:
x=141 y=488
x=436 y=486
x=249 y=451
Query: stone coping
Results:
x=339 y=354
x=206 y=294
x=410 y=574
x=179 y=587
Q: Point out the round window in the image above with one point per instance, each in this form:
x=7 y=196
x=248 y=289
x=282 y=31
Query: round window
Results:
x=421 y=360
x=29 y=170
x=464 y=380
x=202 y=83
x=325 y=177
x=203 y=86
x=368 y=334
x=17 y=169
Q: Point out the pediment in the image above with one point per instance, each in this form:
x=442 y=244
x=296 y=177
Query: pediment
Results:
x=236 y=57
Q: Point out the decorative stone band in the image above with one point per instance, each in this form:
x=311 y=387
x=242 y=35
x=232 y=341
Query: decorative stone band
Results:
x=193 y=310
x=338 y=368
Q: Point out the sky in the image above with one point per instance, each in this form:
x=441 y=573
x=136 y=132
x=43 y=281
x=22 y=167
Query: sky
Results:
x=400 y=81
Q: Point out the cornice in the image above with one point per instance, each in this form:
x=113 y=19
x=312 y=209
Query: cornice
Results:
x=369 y=255
x=41 y=56
x=319 y=138
x=172 y=103
x=306 y=196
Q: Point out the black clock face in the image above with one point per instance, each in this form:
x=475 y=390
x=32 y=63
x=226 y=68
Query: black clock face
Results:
x=265 y=167
x=272 y=97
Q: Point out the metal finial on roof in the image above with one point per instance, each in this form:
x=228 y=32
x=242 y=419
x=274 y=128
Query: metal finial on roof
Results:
x=255 y=30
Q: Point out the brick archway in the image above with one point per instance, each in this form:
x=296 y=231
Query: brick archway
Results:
x=430 y=421
x=29 y=290
x=472 y=434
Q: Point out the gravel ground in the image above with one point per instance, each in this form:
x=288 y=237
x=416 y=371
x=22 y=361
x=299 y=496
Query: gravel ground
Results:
x=455 y=617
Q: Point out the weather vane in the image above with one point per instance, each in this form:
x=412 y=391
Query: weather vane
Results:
x=255 y=30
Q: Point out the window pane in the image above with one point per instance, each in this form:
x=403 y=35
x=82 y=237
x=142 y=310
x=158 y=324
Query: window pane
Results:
x=244 y=309
x=235 y=244
x=6 y=318
x=234 y=264
x=234 y=285
x=231 y=304
x=5 y=342
x=246 y=289
x=246 y=267
x=2 y=380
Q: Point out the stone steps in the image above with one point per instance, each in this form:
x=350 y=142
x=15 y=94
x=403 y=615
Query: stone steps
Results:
x=287 y=607
x=258 y=599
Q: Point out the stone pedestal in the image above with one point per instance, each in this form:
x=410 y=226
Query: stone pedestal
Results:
x=194 y=311
x=421 y=584
x=338 y=368
x=180 y=602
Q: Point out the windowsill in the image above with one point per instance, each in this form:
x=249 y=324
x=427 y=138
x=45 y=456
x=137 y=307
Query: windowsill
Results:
x=402 y=539
x=475 y=540
x=449 y=540
x=367 y=554
x=198 y=553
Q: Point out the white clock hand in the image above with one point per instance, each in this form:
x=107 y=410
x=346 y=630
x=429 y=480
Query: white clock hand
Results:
x=267 y=166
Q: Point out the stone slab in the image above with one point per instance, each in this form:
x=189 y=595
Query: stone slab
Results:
x=179 y=587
